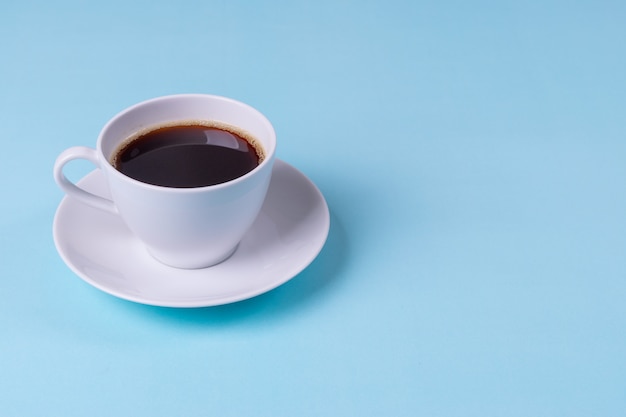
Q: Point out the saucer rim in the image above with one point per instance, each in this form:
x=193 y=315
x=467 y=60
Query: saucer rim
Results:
x=207 y=300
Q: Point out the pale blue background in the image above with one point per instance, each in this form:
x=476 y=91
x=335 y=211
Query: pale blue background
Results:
x=473 y=156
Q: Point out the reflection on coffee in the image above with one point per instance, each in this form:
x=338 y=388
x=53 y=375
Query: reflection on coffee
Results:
x=188 y=154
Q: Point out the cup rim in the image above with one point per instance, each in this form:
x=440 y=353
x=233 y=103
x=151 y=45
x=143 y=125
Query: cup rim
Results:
x=268 y=159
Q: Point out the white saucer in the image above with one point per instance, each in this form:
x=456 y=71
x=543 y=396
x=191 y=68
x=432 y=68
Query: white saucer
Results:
x=288 y=234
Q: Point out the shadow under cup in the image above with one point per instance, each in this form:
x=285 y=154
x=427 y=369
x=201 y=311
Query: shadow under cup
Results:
x=185 y=227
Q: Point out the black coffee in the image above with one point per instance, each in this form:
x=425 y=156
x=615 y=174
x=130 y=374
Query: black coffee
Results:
x=188 y=155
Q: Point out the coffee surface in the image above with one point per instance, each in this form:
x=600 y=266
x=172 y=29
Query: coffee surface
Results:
x=187 y=156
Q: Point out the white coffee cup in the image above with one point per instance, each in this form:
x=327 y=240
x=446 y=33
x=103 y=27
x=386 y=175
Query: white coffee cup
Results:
x=180 y=227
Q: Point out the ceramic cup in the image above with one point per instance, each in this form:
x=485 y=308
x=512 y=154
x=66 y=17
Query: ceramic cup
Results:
x=180 y=227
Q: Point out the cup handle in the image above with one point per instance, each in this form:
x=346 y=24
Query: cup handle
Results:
x=71 y=189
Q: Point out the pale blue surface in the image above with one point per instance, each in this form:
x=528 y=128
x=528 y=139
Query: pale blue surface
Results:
x=473 y=155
